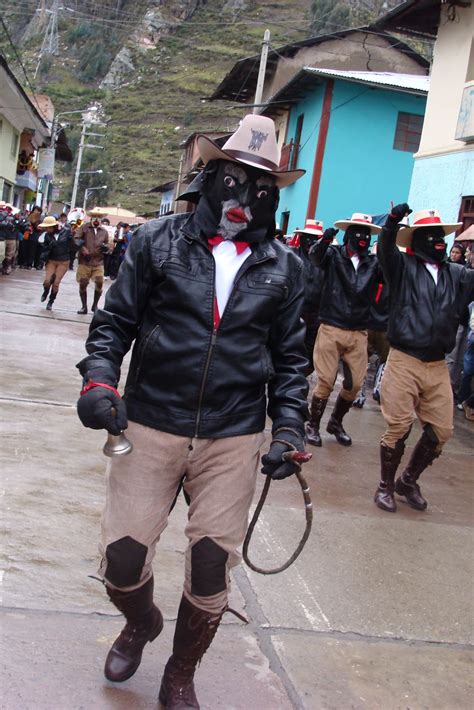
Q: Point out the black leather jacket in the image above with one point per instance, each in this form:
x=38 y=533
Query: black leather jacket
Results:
x=185 y=377
x=313 y=278
x=424 y=316
x=347 y=293
x=58 y=247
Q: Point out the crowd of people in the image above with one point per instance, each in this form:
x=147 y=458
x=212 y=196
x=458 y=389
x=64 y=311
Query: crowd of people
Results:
x=52 y=243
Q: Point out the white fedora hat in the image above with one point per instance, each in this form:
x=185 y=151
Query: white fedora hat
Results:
x=253 y=143
x=361 y=220
x=423 y=220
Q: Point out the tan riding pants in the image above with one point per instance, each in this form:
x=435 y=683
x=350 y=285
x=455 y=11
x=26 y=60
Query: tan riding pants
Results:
x=332 y=344
x=412 y=388
x=220 y=478
x=54 y=273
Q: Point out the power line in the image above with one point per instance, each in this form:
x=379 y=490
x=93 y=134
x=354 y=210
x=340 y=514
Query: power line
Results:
x=5 y=29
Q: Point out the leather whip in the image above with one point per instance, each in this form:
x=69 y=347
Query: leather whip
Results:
x=298 y=457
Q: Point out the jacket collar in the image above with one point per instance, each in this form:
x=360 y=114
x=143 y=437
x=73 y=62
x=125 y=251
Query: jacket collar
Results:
x=261 y=251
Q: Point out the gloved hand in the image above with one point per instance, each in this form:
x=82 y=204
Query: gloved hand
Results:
x=329 y=234
x=397 y=214
x=104 y=248
x=283 y=440
x=96 y=410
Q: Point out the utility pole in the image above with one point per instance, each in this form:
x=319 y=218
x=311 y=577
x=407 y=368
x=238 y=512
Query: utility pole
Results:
x=78 y=165
x=82 y=144
x=50 y=43
x=261 y=71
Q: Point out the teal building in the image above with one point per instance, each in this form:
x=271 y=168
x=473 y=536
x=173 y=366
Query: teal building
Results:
x=355 y=134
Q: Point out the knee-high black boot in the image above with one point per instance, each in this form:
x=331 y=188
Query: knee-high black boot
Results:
x=83 y=294
x=195 y=630
x=52 y=298
x=334 y=426
x=423 y=455
x=144 y=623
x=97 y=295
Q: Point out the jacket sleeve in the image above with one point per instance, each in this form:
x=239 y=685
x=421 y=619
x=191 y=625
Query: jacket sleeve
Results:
x=320 y=254
x=114 y=328
x=288 y=389
x=389 y=255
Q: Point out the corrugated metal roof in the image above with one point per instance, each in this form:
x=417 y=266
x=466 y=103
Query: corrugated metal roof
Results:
x=410 y=82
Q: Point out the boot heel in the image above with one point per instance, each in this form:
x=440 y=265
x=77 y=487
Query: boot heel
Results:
x=156 y=632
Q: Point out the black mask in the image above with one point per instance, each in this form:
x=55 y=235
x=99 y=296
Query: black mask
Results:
x=242 y=201
x=307 y=241
x=358 y=239
x=429 y=244
x=95 y=223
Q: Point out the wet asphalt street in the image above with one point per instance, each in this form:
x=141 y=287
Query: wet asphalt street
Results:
x=376 y=613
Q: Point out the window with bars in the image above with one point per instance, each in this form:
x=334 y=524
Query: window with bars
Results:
x=408 y=132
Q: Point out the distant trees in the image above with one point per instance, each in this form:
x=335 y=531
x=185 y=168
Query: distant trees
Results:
x=333 y=15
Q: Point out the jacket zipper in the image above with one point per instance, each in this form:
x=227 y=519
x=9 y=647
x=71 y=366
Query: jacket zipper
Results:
x=239 y=274
x=144 y=347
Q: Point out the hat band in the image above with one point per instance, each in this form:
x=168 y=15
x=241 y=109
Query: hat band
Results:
x=428 y=220
x=361 y=221
x=242 y=155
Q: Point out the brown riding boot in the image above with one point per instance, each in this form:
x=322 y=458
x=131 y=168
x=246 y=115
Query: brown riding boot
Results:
x=389 y=461
x=144 y=623
x=423 y=455
x=193 y=635
x=334 y=426
x=312 y=426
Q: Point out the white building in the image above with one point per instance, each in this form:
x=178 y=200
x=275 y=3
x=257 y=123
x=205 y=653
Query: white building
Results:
x=443 y=175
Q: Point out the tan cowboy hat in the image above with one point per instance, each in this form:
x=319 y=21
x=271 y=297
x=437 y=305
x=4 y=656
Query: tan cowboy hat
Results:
x=467 y=235
x=253 y=143
x=361 y=220
x=48 y=222
x=97 y=212
x=422 y=220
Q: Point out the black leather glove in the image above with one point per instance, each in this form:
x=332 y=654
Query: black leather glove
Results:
x=101 y=408
x=397 y=214
x=283 y=440
x=329 y=234
x=104 y=248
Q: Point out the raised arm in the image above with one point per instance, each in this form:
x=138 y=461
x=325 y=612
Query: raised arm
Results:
x=388 y=253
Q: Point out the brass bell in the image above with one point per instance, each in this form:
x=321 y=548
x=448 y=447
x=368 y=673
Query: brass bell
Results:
x=117 y=445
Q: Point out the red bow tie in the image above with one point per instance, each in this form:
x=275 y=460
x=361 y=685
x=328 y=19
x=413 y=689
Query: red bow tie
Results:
x=239 y=246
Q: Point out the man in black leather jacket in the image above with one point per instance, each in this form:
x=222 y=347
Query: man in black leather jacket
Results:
x=344 y=314
x=427 y=298
x=313 y=278
x=212 y=302
x=57 y=246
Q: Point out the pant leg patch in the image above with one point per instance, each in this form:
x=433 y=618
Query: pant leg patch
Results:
x=125 y=560
x=208 y=568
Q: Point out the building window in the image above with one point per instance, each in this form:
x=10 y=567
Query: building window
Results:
x=6 y=192
x=408 y=132
x=14 y=145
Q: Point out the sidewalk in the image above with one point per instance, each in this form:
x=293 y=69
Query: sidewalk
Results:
x=376 y=613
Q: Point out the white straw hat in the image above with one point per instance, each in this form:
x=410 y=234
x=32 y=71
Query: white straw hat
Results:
x=424 y=219
x=361 y=220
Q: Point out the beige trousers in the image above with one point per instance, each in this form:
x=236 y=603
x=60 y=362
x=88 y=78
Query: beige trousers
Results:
x=55 y=271
x=332 y=344
x=219 y=477
x=412 y=388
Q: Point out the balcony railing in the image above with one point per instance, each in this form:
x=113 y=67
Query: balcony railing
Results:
x=28 y=180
